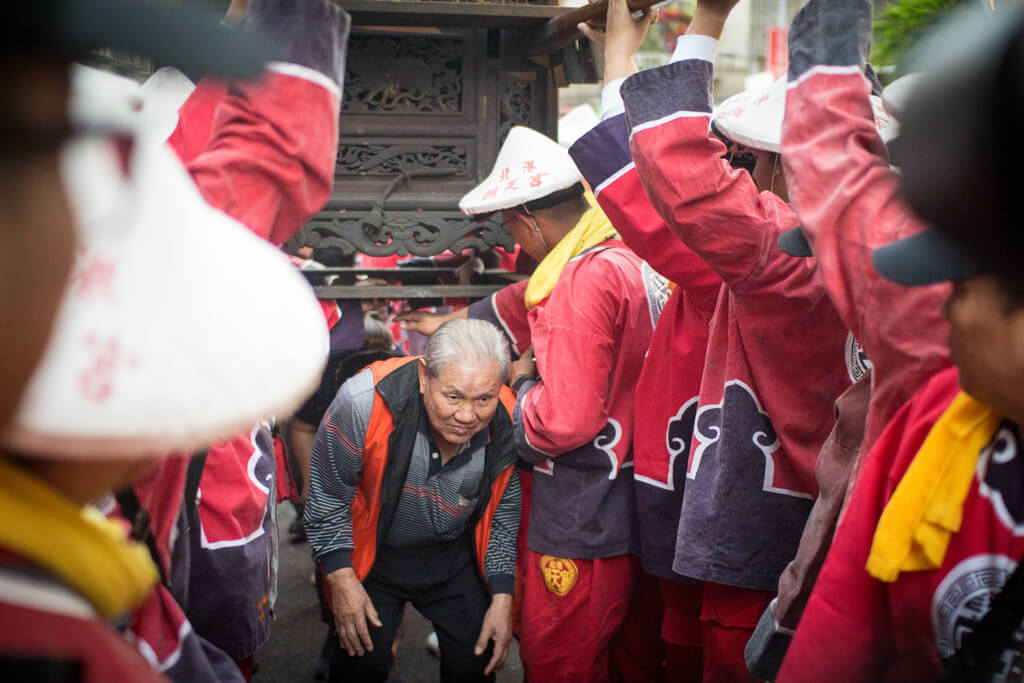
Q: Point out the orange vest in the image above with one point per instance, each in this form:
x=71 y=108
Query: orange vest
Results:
x=368 y=505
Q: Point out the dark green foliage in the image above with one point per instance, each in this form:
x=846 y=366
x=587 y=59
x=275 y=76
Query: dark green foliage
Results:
x=900 y=24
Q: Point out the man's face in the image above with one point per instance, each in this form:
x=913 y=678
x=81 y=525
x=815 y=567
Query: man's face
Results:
x=986 y=343
x=460 y=401
x=525 y=232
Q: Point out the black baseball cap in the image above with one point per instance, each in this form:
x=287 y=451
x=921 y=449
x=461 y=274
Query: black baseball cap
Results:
x=961 y=146
x=170 y=35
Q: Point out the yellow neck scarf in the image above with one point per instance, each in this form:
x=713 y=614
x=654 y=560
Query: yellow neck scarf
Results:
x=926 y=508
x=592 y=229
x=78 y=545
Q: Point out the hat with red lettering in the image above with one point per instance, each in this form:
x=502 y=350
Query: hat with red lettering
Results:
x=163 y=341
x=531 y=170
x=754 y=117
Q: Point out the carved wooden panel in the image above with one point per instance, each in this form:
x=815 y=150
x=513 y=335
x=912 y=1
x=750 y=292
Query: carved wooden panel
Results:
x=516 y=106
x=402 y=232
x=385 y=159
x=390 y=74
x=423 y=116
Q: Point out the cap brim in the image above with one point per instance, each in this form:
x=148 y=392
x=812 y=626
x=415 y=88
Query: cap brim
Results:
x=193 y=42
x=924 y=259
x=794 y=243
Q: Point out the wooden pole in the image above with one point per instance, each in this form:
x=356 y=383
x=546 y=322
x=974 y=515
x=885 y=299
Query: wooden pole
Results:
x=561 y=30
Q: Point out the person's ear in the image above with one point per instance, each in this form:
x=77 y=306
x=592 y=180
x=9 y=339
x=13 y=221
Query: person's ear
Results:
x=423 y=375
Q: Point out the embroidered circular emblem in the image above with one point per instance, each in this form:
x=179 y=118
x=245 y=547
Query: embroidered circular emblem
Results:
x=857 y=363
x=963 y=598
x=560 y=574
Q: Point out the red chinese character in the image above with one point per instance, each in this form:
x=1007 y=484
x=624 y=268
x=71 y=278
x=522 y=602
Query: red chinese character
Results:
x=504 y=174
x=536 y=180
x=95 y=278
x=529 y=166
x=97 y=382
x=490 y=194
x=511 y=185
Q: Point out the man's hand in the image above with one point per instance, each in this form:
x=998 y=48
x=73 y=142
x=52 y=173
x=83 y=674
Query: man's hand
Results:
x=525 y=365
x=352 y=609
x=621 y=39
x=426 y=322
x=497 y=626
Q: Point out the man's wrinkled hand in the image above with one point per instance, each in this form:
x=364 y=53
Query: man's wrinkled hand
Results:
x=497 y=626
x=621 y=38
x=352 y=608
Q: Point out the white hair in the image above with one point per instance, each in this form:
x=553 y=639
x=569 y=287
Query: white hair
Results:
x=466 y=340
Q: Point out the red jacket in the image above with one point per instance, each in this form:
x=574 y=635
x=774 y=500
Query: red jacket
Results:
x=850 y=202
x=857 y=628
x=775 y=361
x=268 y=163
x=665 y=399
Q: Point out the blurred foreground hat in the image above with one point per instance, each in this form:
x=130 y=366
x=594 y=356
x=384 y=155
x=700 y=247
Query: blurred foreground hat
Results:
x=161 y=343
x=170 y=35
x=961 y=149
x=577 y=122
x=754 y=117
x=530 y=166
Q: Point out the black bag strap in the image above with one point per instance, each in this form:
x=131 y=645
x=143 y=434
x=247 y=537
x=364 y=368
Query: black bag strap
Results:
x=978 y=656
x=138 y=516
x=192 y=478
x=142 y=528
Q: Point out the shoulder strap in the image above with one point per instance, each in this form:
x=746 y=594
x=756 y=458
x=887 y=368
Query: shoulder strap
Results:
x=979 y=653
x=142 y=528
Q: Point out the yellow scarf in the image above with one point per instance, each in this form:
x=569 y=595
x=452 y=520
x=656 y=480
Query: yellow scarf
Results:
x=592 y=229
x=78 y=545
x=927 y=507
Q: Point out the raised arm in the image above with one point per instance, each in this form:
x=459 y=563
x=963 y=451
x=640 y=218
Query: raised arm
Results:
x=603 y=157
x=716 y=210
x=264 y=152
x=849 y=201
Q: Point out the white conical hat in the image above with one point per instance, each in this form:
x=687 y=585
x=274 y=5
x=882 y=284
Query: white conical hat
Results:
x=896 y=94
x=164 y=340
x=163 y=93
x=754 y=117
x=529 y=166
x=102 y=97
x=576 y=123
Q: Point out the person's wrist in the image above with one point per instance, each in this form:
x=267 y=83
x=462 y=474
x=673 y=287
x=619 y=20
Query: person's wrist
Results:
x=519 y=379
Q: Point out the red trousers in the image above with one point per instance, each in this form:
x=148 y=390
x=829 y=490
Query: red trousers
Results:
x=572 y=612
x=706 y=627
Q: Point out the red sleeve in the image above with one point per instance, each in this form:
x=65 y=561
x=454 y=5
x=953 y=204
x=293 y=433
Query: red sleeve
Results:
x=849 y=202
x=506 y=309
x=264 y=152
x=268 y=160
x=714 y=209
x=574 y=339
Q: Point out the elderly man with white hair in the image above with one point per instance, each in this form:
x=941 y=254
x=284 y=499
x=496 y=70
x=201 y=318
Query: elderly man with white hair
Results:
x=413 y=497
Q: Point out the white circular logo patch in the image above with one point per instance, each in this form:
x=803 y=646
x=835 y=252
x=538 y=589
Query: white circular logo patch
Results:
x=963 y=598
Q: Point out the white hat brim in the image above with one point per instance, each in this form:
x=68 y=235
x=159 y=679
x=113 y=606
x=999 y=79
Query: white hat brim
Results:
x=754 y=118
x=529 y=166
x=178 y=326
